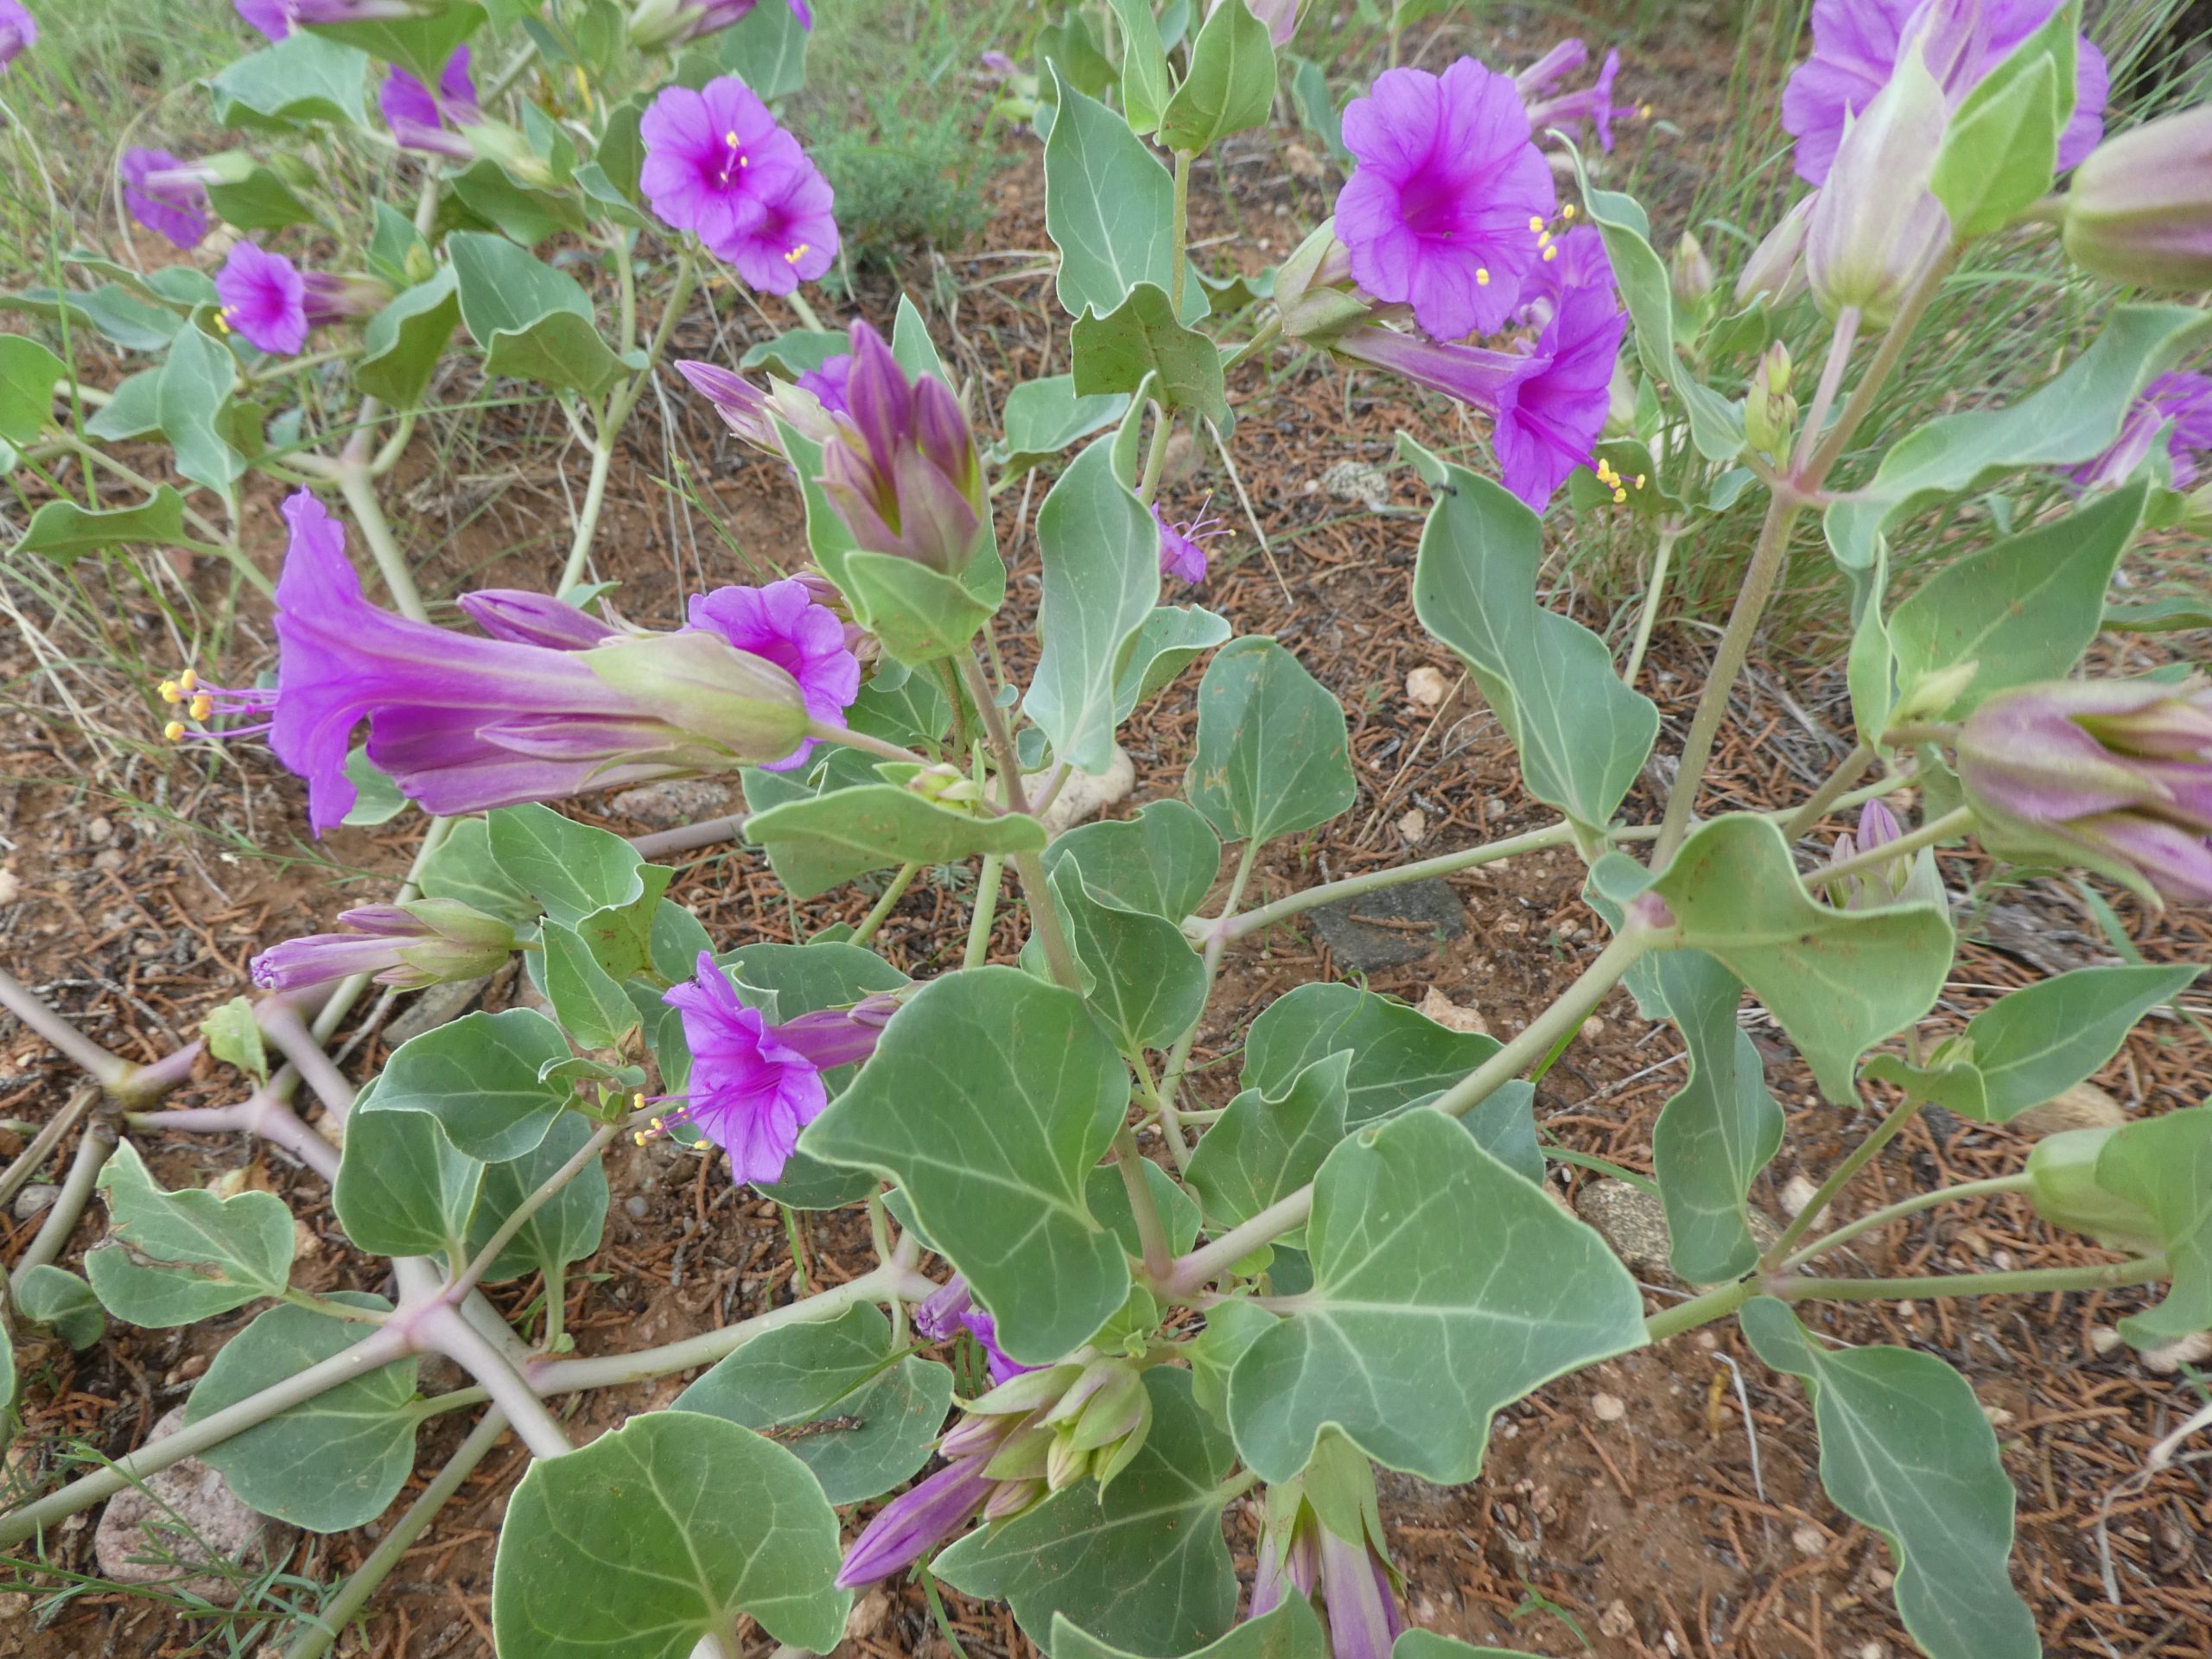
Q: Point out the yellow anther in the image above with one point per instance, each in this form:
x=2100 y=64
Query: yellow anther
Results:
x=189 y=680
x=1482 y=276
x=1551 y=253
x=640 y=1137
x=1639 y=480
x=1536 y=223
x=1644 y=110
x=730 y=139
x=222 y=318
x=797 y=254
x=202 y=707
x=173 y=731
x=1568 y=211
x=1620 y=495
x=638 y=1101
x=171 y=692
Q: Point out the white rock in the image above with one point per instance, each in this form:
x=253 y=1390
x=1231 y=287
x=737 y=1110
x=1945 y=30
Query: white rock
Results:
x=2103 y=1338
x=677 y=800
x=184 y=1516
x=1452 y=1016
x=1808 y=1539
x=1616 y=1621
x=1083 y=796
x=35 y=1200
x=1796 y=1193
x=1608 y=1408
x=1414 y=827
x=1427 y=688
x=2084 y=1106
x=2192 y=1350
x=11 y=887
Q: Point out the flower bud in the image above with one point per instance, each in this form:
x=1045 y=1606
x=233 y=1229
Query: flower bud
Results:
x=423 y=942
x=1875 y=226
x=1065 y=1464
x=1313 y=293
x=530 y=619
x=720 y=706
x=1028 y=1391
x=1023 y=1453
x=1931 y=695
x=2062 y=1187
x=1691 y=273
x=1012 y=1498
x=2140 y=208
x=1776 y=272
x=1115 y=1410
x=495 y=141
x=900 y=468
x=1770 y=412
x=946 y=785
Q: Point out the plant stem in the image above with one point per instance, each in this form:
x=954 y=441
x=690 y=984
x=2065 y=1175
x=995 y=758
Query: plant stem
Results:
x=1823 y=799
x=442 y=1327
x=2029 y=1281
x=1838 y=358
x=60 y=1218
x=585 y=1156
x=1252 y=921
x=1914 y=1205
x=1152 y=1235
x=1859 y=1156
x=1861 y=401
x=283 y=1023
x=1179 y=1058
x=318 y=1639
x=1155 y=455
x=602 y=462
x=80 y=1050
x=351 y=476
x=1954 y=823
x=892 y=895
x=986 y=910
x=1715 y=1304
x=35 y=1155
x=1263 y=339
x=1672 y=533
x=1179 y=233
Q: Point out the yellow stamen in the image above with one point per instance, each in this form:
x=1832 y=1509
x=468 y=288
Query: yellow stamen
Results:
x=797 y=254
x=640 y=1137
x=1644 y=110
x=202 y=707
x=730 y=139
x=638 y=1101
x=222 y=318
x=1544 y=239
x=1535 y=224
x=172 y=692
x=173 y=731
x=1551 y=253
x=1482 y=276
x=1568 y=211
x=1620 y=495
x=1639 y=480
x=190 y=679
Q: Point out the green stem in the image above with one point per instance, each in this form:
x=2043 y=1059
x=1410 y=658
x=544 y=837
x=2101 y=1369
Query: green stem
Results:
x=1859 y=1156
x=986 y=912
x=1716 y=1304
x=318 y=1639
x=1152 y=1235
x=1179 y=1058
x=1823 y=799
x=585 y=1156
x=805 y=312
x=1899 y=1211
x=1171 y=1120
x=1268 y=333
x=354 y=484
x=892 y=895
x=2029 y=1281
x=1233 y=928
x=1861 y=401
x=1155 y=455
x=1668 y=537
x=1952 y=824
x=1179 y=233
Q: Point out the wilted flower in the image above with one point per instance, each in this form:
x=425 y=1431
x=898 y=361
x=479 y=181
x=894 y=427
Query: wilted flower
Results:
x=264 y=298
x=462 y=724
x=900 y=468
x=713 y=159
x=1875 y=226
x=423 y=942
x=1445 y=210
x=2179 y=404
x=1857 y=44
x=661 y=25
x=1902 y=881
x=530 y=619
x=782 y=623
x=952 y=1310
x=2115 y=776
x=419 y=118
x=165 y=195
x=1593 y=104
x=1182 y=547
x=2140 y=210
x=18 y=31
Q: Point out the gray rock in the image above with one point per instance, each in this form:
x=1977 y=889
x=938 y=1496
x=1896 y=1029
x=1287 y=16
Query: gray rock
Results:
x=35 y=1200
x=1408 y=922
x=2084 y=1106
x=1634 y=1222
x=183 y=1517
x=679 y=800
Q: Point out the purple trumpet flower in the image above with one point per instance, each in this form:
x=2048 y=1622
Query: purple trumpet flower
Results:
x=1182 y=547
x=718 y=165
x=1593 y=104
x=2115 y=776
x=462 y=724
x=917 y=1522
x=408 y=946
x=18 y=31
x=1361 y=1601
x=420 y=118
x=1775 y=271
x=529 y=619
x=1857 y=44
x=952 y=1310
x=2140 y=210
x=264 y=298
x=1444 y=210
x=2177 y=404
x=1549 y=419
x=1282 y=18
x=165 y=195
x=754 y=1086
x=795 y=238
x=900 y=468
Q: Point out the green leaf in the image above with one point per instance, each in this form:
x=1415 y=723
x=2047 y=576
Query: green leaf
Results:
x=1272 y=756
x=1115 y=351
x=2163 y=1165
x=2023 y=610
x=302 y=78
x=1582 y=735
x=574 y=871
x=419 y=44
x=533 y=322
x=176 y=1258
x=402 y=1189
x=989 y=1098
x=660 y=1533
x=1161 y=863
x=902 y=707
x=463 y=868
x=587 y=1001
x=234 y=1037
x=479 y=1077
x=2001 y=149
x=1172 y=638
x=1906 y=1450
x=65 y=532
x=1399 y=1054
x=28 y=374
x=1109 y=1197
x=259 y=200
x=55 y=1297
x=191 y=394
x=1230 y=1328
x=1956 y=1086
x=566 y=1228
x=1427 y=1644
x=7 y=1371
x=1230 y=85
x=1145 y=83
x=1444 y=1286
x=1264 y=1149
x=402 y=343
x=767 y=49
x=1718 y=1131
x=2159 y=616
x=1838 y=982
x=817 y=843
x=377 y=798
x=2034 y=1043
x=1290 y=1632
x=530 y=216
x=1076 y=1555
x=1149 y=984
x=1317 y=110
x=1109 y=209
x=331 y=1463
x=1043 y=418
x=921 y=615
x=877 y=1412
x=2065 y=421
x=1101 y=550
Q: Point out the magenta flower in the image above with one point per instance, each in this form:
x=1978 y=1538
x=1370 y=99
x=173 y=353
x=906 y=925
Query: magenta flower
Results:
x=530 y=619
x=1444 y=209
x=278 y=18
x=1549 y=419
x=263 y=299
x=419 y=118
x=782 y=623
x=462 y=724
x=947 y=1311
x=900 y=468
x=2179 y=404
x=165 y=195
x=1857 y=44
x=18 y=31
x=828 y=382
x=1593 y=104
x=421 y=943
x=795 y=238
x=2115 y=776
x=917 y=1522
x=750 y=1094
x=1182 y=547
x=1362 y=1602
x=714 y=160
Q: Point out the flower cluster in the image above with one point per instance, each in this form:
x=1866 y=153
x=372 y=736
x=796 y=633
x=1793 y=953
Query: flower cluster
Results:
x=718 y=165
x=1902 y=881
x=899 y=464
x=547 y=707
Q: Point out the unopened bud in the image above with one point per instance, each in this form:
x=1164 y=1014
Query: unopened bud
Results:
x=946 y=785
x=1930 y=696
x=1770 y=412
x=2140 y=209
x=2063 y=1188
x=1313 y=293
x=1875 y=226
x=1113 y=1410
x=1012 y=1497
x=1776 y=272
x=1024 y=1454
x=1065 y=1464
x=1025 y=1392
x=1691 y=273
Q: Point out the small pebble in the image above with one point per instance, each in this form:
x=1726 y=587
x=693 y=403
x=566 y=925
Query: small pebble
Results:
x=36 y=1198
x=1452 y=1016
x=1616 y=1622
x=2103 y=1338
x=1592 y=1029
x=1796 y=1193
x=1608 y=1408
x=1808 y=1539
x=1425 y=689
x=1414 y=827
x=2193 y=1350
x=636 y=1207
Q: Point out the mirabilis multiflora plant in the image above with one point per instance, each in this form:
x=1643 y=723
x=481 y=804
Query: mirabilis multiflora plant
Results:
x=1353 y=1263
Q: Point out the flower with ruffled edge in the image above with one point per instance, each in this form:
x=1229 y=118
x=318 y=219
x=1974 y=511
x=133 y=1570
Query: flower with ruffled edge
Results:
x=828 y=381
x=1548 y=421
x=1444 y=210
x=163 y=194
x=715 y=158
x=782 y=623
x=793 y=241
x=264 y=298
x=748 y=1093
